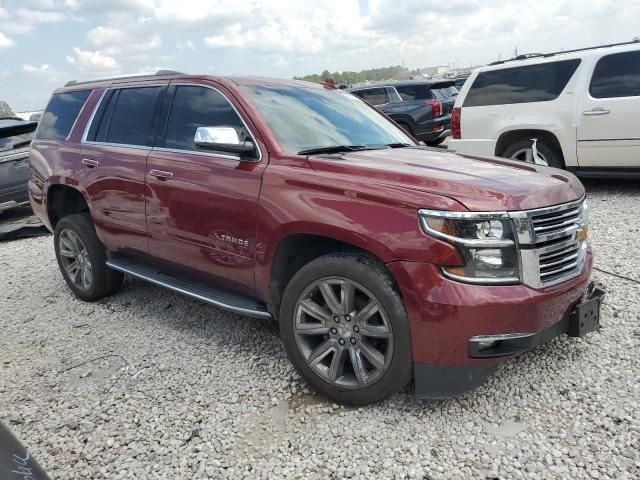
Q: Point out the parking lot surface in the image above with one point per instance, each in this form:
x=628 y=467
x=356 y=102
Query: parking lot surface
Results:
x=149 y=384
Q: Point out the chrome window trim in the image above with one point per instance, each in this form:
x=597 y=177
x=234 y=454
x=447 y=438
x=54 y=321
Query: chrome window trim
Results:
x=84 y=140
x=198 y=152
x=222 y=155
x=75 y=122
x=92 y=117
x=120 y=145
x=95 y=110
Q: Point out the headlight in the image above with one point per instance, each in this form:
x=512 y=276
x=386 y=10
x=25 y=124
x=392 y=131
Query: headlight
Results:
x=486 y=242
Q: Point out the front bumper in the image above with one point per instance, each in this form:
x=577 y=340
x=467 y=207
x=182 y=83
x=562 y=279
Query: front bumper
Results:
x=445 y=315
x=435 y=381
x=584 y=319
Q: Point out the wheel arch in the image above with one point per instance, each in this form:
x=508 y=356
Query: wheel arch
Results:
x=296 y=248
x=508 y=138
x=64 y=200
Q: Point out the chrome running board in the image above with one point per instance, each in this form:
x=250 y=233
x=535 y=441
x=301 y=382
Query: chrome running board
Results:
x=220 y=297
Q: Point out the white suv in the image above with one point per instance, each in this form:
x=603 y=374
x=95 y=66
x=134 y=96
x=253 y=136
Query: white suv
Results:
x=578 y=110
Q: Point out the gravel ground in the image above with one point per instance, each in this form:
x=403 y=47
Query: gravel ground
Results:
x=189 y=391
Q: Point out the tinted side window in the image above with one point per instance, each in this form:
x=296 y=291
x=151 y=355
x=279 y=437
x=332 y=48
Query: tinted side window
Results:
x=616 y=75
x=19 y=137
x=444 y=91
x=375 y=96
x=60 y=115
x=531 y=83
x=414 y=92
x=132 y=120
x=195 y=107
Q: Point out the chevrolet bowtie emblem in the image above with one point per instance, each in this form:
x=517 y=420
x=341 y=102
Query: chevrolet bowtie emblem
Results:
x=582 y=233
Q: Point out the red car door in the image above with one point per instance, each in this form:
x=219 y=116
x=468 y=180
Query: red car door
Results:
x=202 y=206
x=114 y=155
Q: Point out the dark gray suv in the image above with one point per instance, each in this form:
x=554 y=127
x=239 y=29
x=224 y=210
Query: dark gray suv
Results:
x=422 y=107
x=15 y=137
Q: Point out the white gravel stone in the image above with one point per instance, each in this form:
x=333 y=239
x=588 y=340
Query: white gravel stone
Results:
x=201 y=393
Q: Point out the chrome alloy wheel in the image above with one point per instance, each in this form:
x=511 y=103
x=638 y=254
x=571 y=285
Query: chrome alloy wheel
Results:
x=75 y=259
x=343 y=332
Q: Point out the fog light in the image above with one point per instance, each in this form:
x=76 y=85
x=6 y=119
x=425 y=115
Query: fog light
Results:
x=487 y=344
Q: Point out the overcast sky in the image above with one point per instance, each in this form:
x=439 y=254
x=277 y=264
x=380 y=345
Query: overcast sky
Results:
x=44 y=43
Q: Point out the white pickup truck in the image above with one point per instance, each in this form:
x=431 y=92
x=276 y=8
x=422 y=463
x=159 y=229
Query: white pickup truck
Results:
x=578 y=110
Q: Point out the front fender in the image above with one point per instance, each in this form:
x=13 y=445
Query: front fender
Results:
x=384 y=223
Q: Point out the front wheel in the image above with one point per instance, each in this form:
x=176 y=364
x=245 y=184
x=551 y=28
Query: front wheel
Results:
x=345 y=328
x=82 y=259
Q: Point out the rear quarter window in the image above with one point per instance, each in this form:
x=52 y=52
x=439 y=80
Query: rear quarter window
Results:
x=414 y=92
x=374 y=96
x=616 y=75
x=16 y=139
x=531 y=83
x=127 y=116
x=61 y=113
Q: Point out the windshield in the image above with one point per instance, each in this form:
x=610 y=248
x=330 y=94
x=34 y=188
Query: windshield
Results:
x=444 y=92
x=313 y=118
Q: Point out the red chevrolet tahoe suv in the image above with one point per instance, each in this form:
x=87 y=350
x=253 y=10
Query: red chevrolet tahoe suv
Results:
x=383 y=260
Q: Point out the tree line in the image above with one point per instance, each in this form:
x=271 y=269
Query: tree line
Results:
x=396 y=72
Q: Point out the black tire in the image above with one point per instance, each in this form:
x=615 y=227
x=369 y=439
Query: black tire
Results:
x=370 y=274
x=104 y=281
x=548 y=152
x=406 y=128
x=435 y=143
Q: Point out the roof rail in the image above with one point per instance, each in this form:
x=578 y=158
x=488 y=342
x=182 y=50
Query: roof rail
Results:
x=121 y=77
x=551 y=54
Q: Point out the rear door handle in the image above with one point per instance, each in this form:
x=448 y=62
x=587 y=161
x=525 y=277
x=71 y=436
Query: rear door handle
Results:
x=90 y=163
x=161 y=174
x=597 y=111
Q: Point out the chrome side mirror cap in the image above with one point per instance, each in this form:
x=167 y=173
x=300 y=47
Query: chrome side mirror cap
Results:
x=222 y=139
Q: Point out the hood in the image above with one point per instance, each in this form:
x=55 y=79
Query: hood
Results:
x=480 y=184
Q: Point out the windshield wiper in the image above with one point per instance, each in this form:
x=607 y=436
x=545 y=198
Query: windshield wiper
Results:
x=333 y=149
x=398 y=145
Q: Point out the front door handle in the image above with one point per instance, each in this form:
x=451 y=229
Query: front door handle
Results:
x=90 y=163
x=597 y=111
x=161 y=174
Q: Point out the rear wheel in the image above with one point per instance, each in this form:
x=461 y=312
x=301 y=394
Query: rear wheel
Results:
x=345 y=329
x=435 y=143
x=406 y=128
x=82 y=259
x=543 y=154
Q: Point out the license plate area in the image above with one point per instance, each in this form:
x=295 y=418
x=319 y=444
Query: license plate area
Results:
x=586 y=316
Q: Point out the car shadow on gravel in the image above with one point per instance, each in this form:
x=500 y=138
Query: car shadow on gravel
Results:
x=210 y=325
x=609 y=186
x=203 y=321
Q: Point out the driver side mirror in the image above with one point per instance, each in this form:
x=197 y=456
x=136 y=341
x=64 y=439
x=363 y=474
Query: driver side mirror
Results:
x=222 y=139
